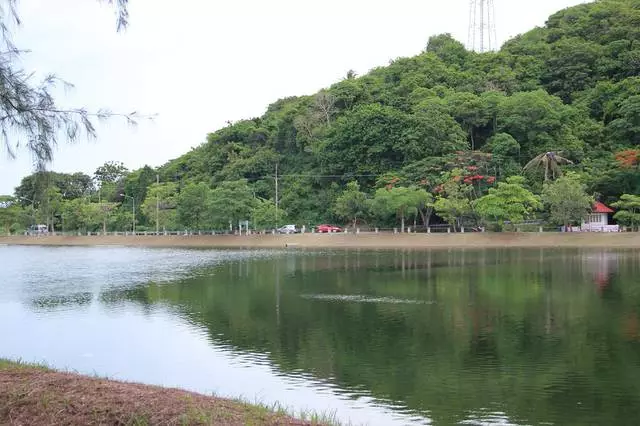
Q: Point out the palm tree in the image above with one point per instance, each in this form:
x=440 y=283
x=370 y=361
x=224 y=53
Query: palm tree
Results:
x=550 y=162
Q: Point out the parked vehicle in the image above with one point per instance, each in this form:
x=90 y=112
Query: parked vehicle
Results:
x=38 y=229
x=288 y=229
x=328 y=228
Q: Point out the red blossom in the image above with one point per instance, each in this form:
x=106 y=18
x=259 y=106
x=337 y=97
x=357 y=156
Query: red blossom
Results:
x=491 y=179
x=472 y=168
x=628 y=158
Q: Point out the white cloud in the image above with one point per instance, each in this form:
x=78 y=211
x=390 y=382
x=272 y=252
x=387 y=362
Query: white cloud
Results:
x=199 y=63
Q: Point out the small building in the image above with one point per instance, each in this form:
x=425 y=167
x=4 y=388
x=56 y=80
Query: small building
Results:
x=598 y=220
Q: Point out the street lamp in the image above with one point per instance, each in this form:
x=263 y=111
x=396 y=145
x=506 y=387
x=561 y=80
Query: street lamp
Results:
x=134 y=211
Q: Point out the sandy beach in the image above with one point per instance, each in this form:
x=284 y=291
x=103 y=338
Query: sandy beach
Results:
x=367 y=241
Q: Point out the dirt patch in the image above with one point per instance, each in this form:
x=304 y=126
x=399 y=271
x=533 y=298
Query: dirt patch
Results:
x=37 y=397
x=364 y=240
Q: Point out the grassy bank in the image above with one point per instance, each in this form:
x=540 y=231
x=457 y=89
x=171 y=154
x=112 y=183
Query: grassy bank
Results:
x=371 y=241
x=35 y=395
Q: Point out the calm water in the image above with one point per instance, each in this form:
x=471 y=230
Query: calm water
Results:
x=414 y=337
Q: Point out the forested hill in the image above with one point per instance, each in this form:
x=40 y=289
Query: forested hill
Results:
x=440 y=132
x=572 y=86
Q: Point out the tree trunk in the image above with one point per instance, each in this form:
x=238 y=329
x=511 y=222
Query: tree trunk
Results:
x=402 y=223
x=473 y=142
x=426 y=216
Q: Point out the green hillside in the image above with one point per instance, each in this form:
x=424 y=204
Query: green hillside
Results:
x=446 y=115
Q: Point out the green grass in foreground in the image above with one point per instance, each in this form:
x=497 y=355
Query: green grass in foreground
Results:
x=328 y=418
x=6 y=364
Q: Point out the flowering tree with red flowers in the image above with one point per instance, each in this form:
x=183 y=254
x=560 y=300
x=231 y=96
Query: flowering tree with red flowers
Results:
x=628 y=158
x=474 y=168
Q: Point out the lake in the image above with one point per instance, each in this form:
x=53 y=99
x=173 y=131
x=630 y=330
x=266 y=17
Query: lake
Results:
x=518 y=336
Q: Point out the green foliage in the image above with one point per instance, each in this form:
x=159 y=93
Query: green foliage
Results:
x=567 y=200
x=452 y=204
x=110 y=172
x=629 y=211
x=70 y=185
x=265 y=216
x=231 y=202
x=80 y=215
x=509 y=201
x=161 y=202
x=193 y=206
x=399 y=201
x=352 y=204
x=13 y=217
x=375 y=138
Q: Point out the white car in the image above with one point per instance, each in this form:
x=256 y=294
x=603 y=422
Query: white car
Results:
x=287 y=229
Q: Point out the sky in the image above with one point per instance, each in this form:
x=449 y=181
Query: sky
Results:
x=196 y=64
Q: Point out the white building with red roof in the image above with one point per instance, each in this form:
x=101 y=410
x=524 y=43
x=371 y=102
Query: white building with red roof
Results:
x=598 y=220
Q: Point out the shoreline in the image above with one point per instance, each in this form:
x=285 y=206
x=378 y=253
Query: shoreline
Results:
x=36 y=395
x=347 y=241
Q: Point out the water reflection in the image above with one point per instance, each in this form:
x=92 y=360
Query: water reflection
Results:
x=458 y=336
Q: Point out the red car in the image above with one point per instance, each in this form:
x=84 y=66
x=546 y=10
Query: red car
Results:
x=328 y=228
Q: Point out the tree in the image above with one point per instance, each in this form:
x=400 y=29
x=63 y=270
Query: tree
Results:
x=193 y=206
x=426 y=207
x=504 y=150
x=509 y=201
x=79 y=215
x=626 y=128
x=468 y=110
x=401 y=201
x=13 y=217
x=110 y=172
x=325 y=105
x=629 y=211
x=541 y=122
x=52 y=203
x=160 y=202
x=28 y=109
x=231 y=202
x=352 y=204
x=566 y=200
x=375 y=139
x=550 y=162
x=452 y=204
x=70 y=185
x=264 y=214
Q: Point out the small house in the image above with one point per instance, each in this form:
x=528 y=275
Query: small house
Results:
x=598 y=220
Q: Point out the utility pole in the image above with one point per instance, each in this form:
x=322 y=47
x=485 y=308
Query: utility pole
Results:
x=276 y=195
x=157 y=203
x=104 y=212
x=133 y=201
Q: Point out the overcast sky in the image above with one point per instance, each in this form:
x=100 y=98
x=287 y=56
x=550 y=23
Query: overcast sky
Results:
x=199 y=63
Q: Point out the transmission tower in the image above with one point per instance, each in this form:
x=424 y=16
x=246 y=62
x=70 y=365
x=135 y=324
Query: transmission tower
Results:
x=482 y=26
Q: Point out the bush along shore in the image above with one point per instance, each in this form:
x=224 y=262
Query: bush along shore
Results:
x=36 y=395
